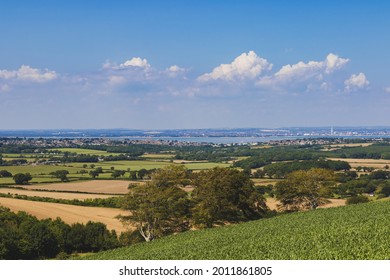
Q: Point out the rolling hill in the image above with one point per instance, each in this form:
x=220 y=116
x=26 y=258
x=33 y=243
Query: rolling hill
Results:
x=351 y=232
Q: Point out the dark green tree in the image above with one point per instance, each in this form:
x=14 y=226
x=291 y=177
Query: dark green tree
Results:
x=5 y=174
x=61 y=174
x=158 y=207
x=22 y=178
x=93 y=173
x=225 y=195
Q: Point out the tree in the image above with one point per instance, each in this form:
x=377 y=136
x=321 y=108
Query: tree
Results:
x=93 y=173
x=61 y=174
x=305 y=189
x=156 y=211
x=5 y=173
x=171 y=175
x=357 y=199
x=83 y=171
x=142 y=173
x=225 y=195
x=117 y=173
x=22 y=178
x=158 y=207
x=133 y=175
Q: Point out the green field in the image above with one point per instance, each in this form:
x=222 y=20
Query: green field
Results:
x=158 y=156
x=352 y=232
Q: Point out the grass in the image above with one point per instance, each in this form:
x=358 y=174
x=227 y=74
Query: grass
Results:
x=358 y=232
x=158 y=156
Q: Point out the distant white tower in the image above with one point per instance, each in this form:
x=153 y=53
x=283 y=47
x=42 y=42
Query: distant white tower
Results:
x=331 y=130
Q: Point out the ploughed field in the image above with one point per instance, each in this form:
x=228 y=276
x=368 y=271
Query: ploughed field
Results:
x=359 y=232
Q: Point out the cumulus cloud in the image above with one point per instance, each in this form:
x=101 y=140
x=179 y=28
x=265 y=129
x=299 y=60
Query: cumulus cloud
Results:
x=27 y=73
x=135 y=62
x=356 y=82
x=246 y=66
x=334 y=62
x=309 y=75
x=175 y=68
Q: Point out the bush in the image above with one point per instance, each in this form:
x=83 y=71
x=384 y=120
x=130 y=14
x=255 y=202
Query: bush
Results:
x=5 y=173
x=22 y=179
x=357 y=199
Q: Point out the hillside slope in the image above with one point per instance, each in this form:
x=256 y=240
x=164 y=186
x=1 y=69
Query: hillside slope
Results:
x=350 y=232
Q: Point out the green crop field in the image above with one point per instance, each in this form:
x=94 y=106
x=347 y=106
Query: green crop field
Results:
x=204 y=165
x=39 y=169
x=158 y=156
x=352 y=232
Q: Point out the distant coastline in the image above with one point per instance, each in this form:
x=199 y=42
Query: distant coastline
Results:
x=216 y=136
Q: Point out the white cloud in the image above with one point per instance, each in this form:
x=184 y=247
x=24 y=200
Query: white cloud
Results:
x=246 y=66
x=175 y=68
x=334 y=62
x=312 y=68
x=135 y=62
x=307 y=75
x=27 y=73
x=299 y=70
x=356 y=82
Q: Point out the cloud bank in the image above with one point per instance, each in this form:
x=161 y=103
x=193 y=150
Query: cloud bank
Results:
x=27 y=73
x=248 y=72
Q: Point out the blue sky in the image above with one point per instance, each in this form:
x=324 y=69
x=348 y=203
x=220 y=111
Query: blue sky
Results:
x=193 y=64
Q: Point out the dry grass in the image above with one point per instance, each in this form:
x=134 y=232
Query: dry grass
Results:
x=58 y=195
x=355 y=162
x=265 y=181
x=94 y=186
x=68 y=213
x=272 y=203
x=351 y=145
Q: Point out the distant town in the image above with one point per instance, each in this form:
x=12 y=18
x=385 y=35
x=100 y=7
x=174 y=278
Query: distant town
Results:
x=375 y=131
x=193 y=137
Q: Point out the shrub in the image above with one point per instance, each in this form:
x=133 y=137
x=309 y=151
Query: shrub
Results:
x=357 y=199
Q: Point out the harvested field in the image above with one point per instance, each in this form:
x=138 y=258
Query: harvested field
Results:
x=355 y=162
x=94 y=186
x=334 y=202
x=272 y=203
x=68 y=213
x=58 y=195
x=265 y=181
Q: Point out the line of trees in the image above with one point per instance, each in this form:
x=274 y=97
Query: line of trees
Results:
x=23 y=236
x=220 y=195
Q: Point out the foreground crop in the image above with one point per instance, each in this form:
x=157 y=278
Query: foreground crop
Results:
x=350 y=232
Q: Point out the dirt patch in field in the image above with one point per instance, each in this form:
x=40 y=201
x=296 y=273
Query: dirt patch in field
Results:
x=94 y=186
x=68 y=213
x=57 y=195
x=272 y=203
